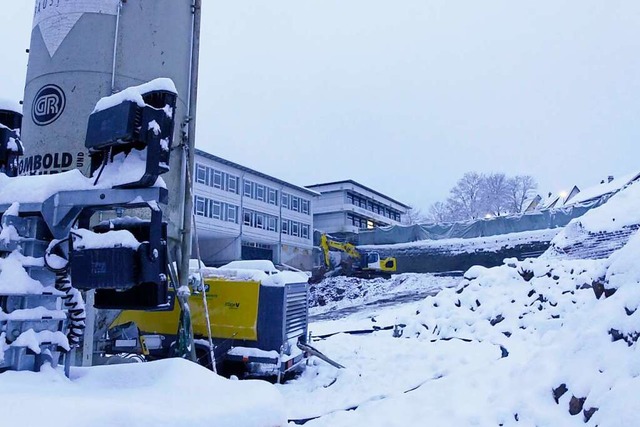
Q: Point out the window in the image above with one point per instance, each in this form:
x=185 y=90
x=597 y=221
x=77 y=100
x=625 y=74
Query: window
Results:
x=260 y=220
x=217 y=179
x=217 y=210
x=232 y=214
x=305 y=231
x=232 y=184
x=285 y=226
x=200 y=202
x=201 y=174
x=273 y=197
x=305 y=207
x=285 y=200
x=247 y=188
x=260 y=192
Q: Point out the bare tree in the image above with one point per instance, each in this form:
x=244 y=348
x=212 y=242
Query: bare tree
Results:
x=414 y=216
x=495 y=194
x=465 y=198
x=521 y=188
x=439 y=212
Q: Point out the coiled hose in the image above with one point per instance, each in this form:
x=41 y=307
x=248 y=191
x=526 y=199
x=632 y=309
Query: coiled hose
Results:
x=72 y=298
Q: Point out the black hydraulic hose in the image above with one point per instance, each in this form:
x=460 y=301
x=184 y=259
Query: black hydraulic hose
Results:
x=72 y=298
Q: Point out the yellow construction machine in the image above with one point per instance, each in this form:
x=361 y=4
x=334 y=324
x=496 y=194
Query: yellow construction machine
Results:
x=355 y=263
x=258 y=324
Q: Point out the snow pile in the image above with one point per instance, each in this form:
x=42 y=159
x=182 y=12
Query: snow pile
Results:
x=602 y=189
x=285 y=278
x=135 y=93
x=602 y=230
x=87 y=239
x=235 y=274
x=476 y=244
x=38 y=188
x=262 y=265
x=567 y=332
x=14 y=279
x=340 y=292
x=171 y=392
x=545 y=342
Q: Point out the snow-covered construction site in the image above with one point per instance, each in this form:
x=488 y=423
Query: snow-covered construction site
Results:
x=547 y=341
x=144 y=282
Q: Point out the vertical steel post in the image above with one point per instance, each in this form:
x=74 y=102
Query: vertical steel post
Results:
x=183 y=292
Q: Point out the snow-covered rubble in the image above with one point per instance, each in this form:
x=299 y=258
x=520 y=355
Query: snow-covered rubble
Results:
x=543 y=342
x=340 y=291
x=600 y=231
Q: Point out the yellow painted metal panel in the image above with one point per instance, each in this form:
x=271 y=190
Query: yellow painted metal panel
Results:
x=233 y=310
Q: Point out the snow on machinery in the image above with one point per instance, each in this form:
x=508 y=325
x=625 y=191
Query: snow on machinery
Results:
x=49 y=248
x=258 y=321
x=356 y=263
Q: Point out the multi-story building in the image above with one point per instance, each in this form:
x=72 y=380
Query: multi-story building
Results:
x=245 y=214
x=346 y=207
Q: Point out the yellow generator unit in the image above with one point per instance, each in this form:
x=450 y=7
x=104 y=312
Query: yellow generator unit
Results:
x=256 y=326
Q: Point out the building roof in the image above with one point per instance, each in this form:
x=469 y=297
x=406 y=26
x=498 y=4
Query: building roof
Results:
x=254 y=172
x=350 y=181
x=604 y=188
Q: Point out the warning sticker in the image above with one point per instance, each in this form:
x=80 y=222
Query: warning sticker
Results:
x=56 y=18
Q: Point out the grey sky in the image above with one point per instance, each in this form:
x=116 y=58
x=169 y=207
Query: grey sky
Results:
x=407 y=96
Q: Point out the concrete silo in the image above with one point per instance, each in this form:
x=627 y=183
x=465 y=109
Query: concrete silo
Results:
x=83 y=50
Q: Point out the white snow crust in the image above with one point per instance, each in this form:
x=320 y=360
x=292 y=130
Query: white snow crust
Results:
x=165 y=393
x=134 y=93
x=116 y=238
x=490 y=352
x=38 y=188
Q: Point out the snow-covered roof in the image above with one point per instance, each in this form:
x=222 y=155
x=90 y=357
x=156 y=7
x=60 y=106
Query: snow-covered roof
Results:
x=318 y=187
x=604 y=188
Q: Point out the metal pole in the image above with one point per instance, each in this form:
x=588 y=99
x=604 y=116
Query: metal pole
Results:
x=183 y=293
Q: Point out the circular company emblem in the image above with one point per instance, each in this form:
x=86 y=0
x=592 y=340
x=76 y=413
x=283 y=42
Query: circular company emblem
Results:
x=48 y=105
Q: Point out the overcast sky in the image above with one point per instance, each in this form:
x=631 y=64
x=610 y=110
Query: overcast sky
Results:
x=406 y=96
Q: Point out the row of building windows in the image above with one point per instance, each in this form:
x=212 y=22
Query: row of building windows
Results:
x=228 y=182
x=295 y=228
x=361 y=222
x=260 y=220
x=260 y=192
x=295 y=203
x=372 y=206
x=217 y=210
x=217 y=179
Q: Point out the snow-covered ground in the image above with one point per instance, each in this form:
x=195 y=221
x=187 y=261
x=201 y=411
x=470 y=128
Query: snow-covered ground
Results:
x=165 y=393
x=490 y=352
x=338 y=293
x=545 y=342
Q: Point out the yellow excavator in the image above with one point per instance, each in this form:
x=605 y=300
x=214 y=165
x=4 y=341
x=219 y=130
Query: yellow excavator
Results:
x=356 y=263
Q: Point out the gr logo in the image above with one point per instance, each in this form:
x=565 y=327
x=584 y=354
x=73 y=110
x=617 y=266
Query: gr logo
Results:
x=48 y=105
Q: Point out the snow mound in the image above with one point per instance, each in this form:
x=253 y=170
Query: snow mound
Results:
x=341 y=291
x=171 y=392
x=567 y=332
x=601 y=231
